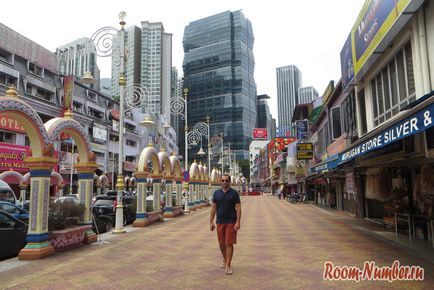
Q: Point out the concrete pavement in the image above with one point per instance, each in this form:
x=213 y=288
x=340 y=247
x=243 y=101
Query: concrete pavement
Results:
x=280 y=246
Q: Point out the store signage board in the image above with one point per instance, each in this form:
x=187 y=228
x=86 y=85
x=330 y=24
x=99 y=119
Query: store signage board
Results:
x=416 y=123
x=304 y=151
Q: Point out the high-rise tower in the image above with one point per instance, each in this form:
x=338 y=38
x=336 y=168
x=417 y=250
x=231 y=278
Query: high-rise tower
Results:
x=218 y=69
x=289 y=80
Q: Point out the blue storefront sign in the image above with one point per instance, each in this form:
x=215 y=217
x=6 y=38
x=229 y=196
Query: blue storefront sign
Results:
x=302 y=130
x=330 y=163
x=411 y=125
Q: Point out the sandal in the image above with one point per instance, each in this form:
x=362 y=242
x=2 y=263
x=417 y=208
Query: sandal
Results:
x=223 y=265
x=228 y=271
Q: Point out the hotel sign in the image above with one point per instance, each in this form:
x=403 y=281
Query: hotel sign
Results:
x=9 y=124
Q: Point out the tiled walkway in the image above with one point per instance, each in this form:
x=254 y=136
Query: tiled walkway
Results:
x=280 y=246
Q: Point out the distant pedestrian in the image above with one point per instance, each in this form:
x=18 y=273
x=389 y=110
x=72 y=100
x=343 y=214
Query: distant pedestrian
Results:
x=226 y=202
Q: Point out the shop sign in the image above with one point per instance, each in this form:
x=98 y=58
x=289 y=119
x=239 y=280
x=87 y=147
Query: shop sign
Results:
x=129 y=166
x=304 y=151
x=12 y=157
x=302 y=130
x=416 y=123
x=9 y=124
x=99 y=133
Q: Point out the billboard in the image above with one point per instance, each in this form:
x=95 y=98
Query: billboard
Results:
x=260 y=133
x=373 y=23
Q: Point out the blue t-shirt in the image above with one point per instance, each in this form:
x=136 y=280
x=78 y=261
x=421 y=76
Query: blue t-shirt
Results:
x=225 y=204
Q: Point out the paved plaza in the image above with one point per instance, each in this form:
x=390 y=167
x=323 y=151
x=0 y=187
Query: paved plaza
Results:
x=280 y=246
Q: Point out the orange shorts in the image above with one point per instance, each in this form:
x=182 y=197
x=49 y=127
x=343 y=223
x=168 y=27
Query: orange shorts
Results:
x=226 y=234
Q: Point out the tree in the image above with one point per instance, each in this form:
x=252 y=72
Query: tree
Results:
x=245 y=167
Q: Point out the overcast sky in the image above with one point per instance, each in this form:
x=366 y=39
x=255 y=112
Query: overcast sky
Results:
x=306 y=33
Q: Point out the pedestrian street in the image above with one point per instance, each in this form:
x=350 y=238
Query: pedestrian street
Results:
x=280 y=246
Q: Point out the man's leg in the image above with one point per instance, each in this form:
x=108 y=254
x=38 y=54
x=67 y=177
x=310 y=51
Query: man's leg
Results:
x=223 y=249
x=229 y=254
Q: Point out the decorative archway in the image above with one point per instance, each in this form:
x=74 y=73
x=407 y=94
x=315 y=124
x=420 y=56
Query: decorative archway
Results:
x=177 y=177
x=166 y=176
x=86 y=164
x=148 y=156
x=41 y=162
x=193 y=185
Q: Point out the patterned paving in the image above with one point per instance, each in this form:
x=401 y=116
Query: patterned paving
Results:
x=280 y=246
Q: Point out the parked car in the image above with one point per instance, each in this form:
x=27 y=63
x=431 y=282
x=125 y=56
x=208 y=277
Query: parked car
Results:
x=13 y=233
x=105 y=205
x=69 y=198
x=6 y=193
x=15 y=210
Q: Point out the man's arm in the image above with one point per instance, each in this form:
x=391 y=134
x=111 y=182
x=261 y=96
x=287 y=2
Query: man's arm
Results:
x=237 y=225
x=211 y=217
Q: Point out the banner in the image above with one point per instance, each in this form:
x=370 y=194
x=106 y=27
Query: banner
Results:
x=68 y=90
x=12 y=157
x=260 y=133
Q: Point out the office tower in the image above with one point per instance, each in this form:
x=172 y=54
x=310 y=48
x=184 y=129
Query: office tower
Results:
x=306 y=95
x=264 y=115
x=77 y=58
x=218 y=69
x=289 y=79
x=149 y=64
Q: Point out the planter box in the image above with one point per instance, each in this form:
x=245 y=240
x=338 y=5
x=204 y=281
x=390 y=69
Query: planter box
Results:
x=69 y=238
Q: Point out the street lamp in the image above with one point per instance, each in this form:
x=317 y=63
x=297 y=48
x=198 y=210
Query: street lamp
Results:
x=203 y=129
x=134 y=97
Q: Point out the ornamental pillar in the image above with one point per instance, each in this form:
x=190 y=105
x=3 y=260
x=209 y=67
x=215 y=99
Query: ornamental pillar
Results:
x=85 y=194
x=38 y=245
x=141 y=215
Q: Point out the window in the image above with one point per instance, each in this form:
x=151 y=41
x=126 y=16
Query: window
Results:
x=362 y=106
x=393 y=87
x=336 y=123
x=34 y=69
x=6 y=57
x=131 y=143
x=7 y=80
x=7 y=137
x=91 y=96
x=77 y=107
x=39 y=93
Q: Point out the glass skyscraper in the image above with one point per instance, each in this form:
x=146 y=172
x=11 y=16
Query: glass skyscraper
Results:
x=218 y=70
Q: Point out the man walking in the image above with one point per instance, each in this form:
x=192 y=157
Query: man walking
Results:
x=226 y=202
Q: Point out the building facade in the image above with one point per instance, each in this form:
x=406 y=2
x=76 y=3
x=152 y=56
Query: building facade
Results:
x=218 y=69
x=306 y=95
x=77 y=58
x=289 y=80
